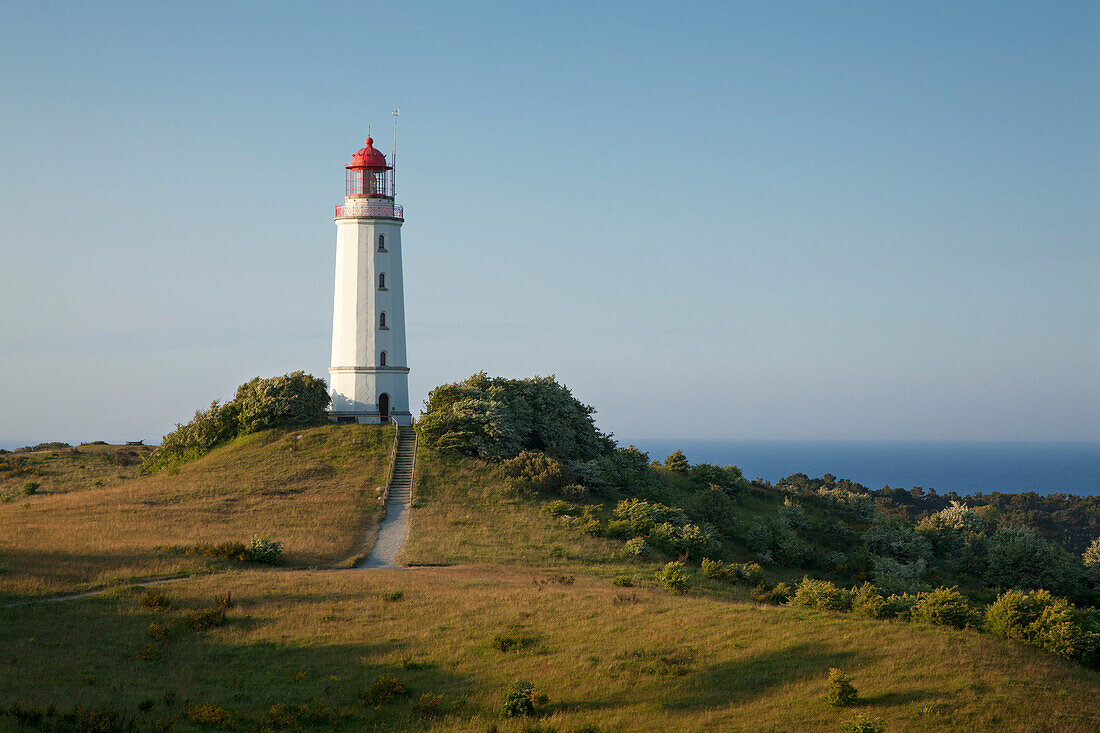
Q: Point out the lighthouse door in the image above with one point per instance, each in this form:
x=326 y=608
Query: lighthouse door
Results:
x=384 y=407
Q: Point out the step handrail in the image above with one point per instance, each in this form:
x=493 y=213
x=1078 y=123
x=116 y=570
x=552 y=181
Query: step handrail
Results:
x=412 y=468
x=393 y=459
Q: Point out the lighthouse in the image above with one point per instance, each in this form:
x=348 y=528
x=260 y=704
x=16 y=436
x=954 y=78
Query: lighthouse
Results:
x=369 y=376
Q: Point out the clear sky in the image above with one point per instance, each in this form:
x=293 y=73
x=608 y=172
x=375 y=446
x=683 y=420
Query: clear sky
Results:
x=729 y=220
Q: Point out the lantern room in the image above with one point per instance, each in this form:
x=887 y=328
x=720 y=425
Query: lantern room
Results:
x=368 y=174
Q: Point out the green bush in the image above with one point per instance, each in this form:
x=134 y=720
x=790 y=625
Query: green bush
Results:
x=747 y=573
x=868 y=601
x=292 y=399
x=774 y=595
x=515 y=641
x=943 y=607
x=636 y=547
x=205 y=619
x=533 y=472
x=261 y=549
x=900 y=605
x=1046 y=621
x=497 y=418
x=383 y=689
x=677 y=461
x=521 y=700
x=1091 y=558
x=713 y=568
x=674 y=577
x=31 y=488
x=839 y=690
x=623 y=581
x=821 y=594
x=155 y=600
x=862 y=723
x=1020 y=558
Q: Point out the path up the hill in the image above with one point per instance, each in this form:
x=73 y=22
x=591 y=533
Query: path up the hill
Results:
x=395 y=527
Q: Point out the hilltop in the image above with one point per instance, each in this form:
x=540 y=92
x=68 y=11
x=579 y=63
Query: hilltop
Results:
x=527 y=566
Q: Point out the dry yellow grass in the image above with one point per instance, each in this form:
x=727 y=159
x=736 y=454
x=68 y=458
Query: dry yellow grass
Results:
x=616 y=659
x=315 y=490
x=69 y=469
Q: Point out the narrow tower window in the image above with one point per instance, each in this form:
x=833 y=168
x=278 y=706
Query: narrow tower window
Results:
x=382 y=319
x=381 y=242
x=381 y=281
x=382 y=359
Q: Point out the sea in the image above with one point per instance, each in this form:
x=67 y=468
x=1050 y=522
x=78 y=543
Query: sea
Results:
x=962 y=467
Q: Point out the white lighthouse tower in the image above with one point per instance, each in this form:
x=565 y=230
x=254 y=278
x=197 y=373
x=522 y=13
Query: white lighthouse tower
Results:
x=369 y=376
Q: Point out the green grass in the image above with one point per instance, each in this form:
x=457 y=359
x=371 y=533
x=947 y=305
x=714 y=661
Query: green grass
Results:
x=306 y=647
x=641 y=660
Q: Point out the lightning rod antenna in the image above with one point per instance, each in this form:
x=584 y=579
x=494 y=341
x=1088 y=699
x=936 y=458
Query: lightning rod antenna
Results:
x=393 y=164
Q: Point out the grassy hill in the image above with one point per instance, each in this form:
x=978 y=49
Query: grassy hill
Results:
x=504 y=591
x=314 y=489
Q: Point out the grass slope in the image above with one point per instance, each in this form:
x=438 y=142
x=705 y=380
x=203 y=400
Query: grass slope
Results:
x=608 y=658
x=300 y=649
x=315 y=490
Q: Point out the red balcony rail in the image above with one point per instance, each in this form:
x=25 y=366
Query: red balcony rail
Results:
x=381 y=209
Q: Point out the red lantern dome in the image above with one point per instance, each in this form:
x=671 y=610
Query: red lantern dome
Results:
x=369 y=158
x=367 y=173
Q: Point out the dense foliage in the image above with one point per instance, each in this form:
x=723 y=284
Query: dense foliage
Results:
x=292 y=399
x=497 y=418
x=915 y=556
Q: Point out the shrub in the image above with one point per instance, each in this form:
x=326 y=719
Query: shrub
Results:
x=896 y=538
x=775 y=595
x=868 y=601
x=427 y=706
x=900 y=605
x=1091 y=558
x=516 y=641
x=393 y=595
x=559 y=508
x=643 y=516
x=792 y=513
x=211 y=715
x=264 y=550
x=821 y=594
x=943 y=607
x=157 y=632
x=205 y=619
x=862 y=723
x=623 y=581
x=677 y=461
x=383 y=689
x=674 y=577
x=839 y=691
x=1046 y=621
x=894 y=576
x=533 y=472
x=748 y=573
x=636 y=547
x=497 y=418
x=155 y=600
x=521 y=699
x=557 y=551
x=713 y=568
x=292 y=399
x=31 y=488
x=1019 y=558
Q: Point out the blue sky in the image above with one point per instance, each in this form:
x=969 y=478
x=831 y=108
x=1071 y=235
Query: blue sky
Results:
x=867 y=220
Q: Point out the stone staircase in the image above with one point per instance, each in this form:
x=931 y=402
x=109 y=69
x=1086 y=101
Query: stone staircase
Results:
x=395 y=527
x=400 y=489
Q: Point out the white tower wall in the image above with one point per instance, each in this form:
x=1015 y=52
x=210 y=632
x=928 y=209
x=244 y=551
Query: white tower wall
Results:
x=357 y=377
